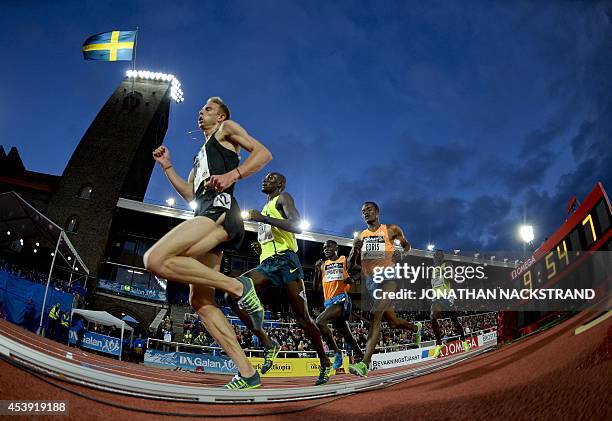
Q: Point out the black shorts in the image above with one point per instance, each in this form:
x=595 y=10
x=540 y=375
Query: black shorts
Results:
x=212 y=204
x=281 y=268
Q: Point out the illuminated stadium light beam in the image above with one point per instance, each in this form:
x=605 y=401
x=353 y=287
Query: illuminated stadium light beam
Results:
x=355 y=234
x=431 y=247
x=526 y=232
x=244 y=214
x=193 y=205
x=171 y=202
x=176 y=93
x=304 y=224
x=8 y=233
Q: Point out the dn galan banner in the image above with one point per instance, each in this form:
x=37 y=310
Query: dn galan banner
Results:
x=283 y=367
x=190 y=362
x=97 y=342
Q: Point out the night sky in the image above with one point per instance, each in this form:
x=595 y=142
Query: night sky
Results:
x=461 y=119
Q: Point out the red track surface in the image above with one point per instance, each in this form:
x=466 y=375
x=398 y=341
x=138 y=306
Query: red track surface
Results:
x=553 y=375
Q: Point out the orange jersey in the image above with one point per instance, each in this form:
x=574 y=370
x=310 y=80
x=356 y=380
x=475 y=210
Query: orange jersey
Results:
x=334 y=274
x=377 y=249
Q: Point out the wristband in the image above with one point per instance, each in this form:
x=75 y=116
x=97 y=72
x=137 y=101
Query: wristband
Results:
x=239 y=173
x=167 y=168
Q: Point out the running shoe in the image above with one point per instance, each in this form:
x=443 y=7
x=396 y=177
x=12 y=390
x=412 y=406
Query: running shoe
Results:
x=417 y=334
x=243 y=383
x=466 y=346
x=359 y=369
x=337 y=360
x=437 y=351
x=269 y=356
x=249 y=301
x=324 y=373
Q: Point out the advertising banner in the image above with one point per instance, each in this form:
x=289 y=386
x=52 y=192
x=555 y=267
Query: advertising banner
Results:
x=190 y=362
x=97 y=342
x=283 y=367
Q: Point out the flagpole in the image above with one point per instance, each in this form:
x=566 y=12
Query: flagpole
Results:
x=134 y=57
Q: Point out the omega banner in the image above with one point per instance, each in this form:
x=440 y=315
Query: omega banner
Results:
x=413 y=356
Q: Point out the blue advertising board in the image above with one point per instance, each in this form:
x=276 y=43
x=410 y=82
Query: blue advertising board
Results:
x=147 y=294
x=190 y=362
x=97 y=342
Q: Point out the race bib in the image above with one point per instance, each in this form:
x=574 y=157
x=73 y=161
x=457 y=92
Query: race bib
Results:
x=334 y=272
x=223 y=200
x=264 y=233
x=437 y=282
x=373 y=248
x=200 y=167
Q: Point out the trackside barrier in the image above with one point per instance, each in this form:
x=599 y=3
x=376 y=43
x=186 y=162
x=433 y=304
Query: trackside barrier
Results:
x=199 y=363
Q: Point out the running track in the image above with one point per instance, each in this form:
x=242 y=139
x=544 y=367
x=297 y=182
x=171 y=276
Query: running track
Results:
x=556 y=374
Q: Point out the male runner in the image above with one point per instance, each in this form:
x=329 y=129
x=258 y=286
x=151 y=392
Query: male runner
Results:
x=334 y=277
x=280 y=267
x=441 y=284
x=191 y=252
x=374 y=247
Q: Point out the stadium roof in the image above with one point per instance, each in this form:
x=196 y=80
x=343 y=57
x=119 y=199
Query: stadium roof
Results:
x=171 y=212
x=20 y=221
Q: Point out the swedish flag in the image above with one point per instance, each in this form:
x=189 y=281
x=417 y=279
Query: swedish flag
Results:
x=110 y=46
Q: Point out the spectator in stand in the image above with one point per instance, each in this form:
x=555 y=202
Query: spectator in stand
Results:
x=139 y=349
x=65 y=326
x=167 y=339
x=53 y=322
x=79 y=327
x=28 y=316
x=114 y=332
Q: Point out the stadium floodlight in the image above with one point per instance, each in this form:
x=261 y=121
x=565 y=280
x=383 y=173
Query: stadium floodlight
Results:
x=431 y=247
x=355 y=234
x=193 y=205
x=456 y=251
x=37 y=244
x=21 y=241
x=52 y=254
x=244 y=214
x=304 y=225
x=69 y=258
x=492 y=258
x=35 y=251
x=8 y=233
x=476 y=255
x=170 y=201
x=176 y=93
x=526 y=232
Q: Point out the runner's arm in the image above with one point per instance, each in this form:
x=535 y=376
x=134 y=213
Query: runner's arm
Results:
x=396 y=233
x=286 y=206
x=182 y=187
x=259 y=155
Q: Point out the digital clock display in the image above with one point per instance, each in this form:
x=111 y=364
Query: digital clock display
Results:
x=567 y=259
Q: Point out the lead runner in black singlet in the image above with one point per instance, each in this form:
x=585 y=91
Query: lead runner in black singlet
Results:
x=191 y=252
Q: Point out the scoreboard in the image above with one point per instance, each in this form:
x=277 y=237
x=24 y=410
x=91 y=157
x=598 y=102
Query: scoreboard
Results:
x=568 y=258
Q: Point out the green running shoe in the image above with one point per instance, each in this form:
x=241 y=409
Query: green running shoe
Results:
x=324 y=373
x=437 y=351
x=250 y=302
x=243 y=383
x=359 y=369
x=269 y=356
x=466 y=346
x=417 y=334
